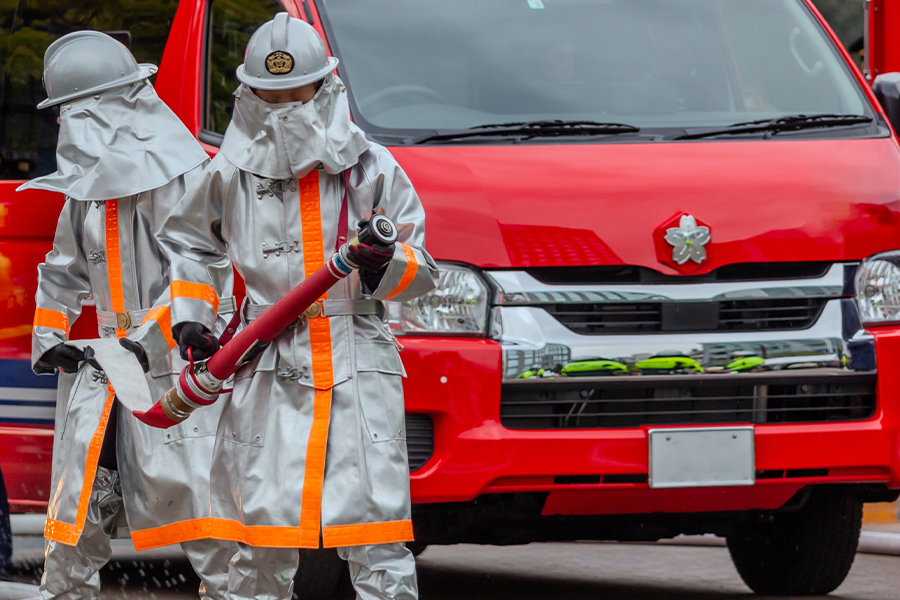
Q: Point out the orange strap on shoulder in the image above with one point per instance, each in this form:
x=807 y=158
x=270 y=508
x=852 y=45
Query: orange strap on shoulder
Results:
x=113 y=260
x=54 y=319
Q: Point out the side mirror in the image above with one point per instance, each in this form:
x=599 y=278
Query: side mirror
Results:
x=887 y=90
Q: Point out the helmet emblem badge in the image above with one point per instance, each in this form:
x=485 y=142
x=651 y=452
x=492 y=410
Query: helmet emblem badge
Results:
x=279 y=63
x=688 y=241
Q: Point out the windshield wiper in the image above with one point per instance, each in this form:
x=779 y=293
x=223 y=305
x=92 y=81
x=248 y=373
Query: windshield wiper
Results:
x=779 y=125
x=530 y=129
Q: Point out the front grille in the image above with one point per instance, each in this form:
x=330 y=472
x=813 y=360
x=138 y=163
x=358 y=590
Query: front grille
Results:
x=419 y=439
x=768 y=315
x=617 y=274
x=613 y=318
x=605 y=402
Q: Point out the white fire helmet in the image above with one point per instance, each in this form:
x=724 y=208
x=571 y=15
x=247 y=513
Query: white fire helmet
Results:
x=87 y=62
x=283 y=54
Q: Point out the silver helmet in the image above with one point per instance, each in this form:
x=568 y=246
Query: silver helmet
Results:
x=87 y=62
x=285 y=53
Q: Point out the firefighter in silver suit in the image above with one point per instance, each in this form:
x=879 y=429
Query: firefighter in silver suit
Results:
x=311 y=446
x=124 y=160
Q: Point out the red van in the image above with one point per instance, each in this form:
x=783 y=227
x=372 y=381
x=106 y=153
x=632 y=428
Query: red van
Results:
x=670 y=290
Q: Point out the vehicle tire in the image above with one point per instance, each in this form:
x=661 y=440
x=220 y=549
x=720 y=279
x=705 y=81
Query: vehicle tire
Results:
x=807 y=552
x=322 y=575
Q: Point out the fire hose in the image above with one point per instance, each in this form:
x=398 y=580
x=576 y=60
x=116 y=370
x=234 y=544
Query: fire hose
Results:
x=201 y=384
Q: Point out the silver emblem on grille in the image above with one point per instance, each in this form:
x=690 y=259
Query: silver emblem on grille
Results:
x=688 y=240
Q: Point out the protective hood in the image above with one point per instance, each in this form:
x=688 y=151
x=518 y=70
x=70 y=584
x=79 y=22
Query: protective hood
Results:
x=290 y=139
x=117 y=144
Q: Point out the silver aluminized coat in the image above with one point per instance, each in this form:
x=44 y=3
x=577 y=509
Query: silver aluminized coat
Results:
x=124 y=161
x=312 y=440
x=164 y=474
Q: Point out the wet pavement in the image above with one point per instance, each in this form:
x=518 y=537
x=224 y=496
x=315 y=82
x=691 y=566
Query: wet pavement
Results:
x=574 y=571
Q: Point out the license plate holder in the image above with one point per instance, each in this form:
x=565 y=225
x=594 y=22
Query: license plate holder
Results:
x=702 y=457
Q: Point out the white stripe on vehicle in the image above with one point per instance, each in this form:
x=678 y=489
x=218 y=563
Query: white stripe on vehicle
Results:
x=31 y=413
x=38 y=394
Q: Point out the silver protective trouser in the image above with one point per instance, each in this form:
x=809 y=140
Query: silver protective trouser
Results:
x=73 y=572
x=378 y=572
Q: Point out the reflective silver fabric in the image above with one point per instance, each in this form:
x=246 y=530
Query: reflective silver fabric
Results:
x=262 y=573
x=88 y=62
x=72 y=572
x=287 y=140
x=382 y=571
x=210 y=560
x=78 y=265
x=118 y=143
x=264 y=437
x=378 y=572
x=124 y=162
x=293 y=40
x=164 y=473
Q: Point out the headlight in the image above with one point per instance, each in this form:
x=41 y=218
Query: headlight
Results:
x=878 y=288
x=459 y=304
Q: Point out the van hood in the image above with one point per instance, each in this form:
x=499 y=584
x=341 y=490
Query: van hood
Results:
x=611 y=204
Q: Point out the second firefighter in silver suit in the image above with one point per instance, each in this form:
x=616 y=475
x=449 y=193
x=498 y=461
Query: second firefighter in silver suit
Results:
x=124 y=161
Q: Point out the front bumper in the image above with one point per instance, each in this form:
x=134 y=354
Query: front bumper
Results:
x=457 y=381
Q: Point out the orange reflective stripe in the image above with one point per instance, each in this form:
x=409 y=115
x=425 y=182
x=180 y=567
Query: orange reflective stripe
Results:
x=323 y=372
x=269 y=536
x=68 y=533
x=197 y=291
x=58 y=531
x=220 y=529
x=163 y=318
x=409 y=273
x=45 y=317
x=386 y=532
x=113 y=260
x=174 y=533
x=314 y=471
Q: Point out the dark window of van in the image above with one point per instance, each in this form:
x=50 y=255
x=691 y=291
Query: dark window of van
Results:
x=230 y=25
x=665 y=66
x=27 y=27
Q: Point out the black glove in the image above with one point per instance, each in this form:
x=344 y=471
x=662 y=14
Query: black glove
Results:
x=197 y=337
x=371 y=280
x=63 y=357
x=372 y=258
x=138 y=350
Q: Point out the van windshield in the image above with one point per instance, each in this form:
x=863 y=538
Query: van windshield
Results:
x=415 y=66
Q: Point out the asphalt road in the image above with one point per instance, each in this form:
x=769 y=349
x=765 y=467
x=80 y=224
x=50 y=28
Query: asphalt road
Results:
x=537 y=571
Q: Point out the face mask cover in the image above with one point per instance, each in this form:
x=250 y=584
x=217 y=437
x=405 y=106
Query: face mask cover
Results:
x=287 y=140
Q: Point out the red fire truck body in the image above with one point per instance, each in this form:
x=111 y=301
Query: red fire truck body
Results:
x=526 y=436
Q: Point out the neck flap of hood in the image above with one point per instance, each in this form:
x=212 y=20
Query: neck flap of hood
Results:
x=286 y=140
x=122 y=143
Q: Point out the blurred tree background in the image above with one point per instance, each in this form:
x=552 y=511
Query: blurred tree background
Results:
x=231 y=23
x=27 y=27
x=846 y=18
